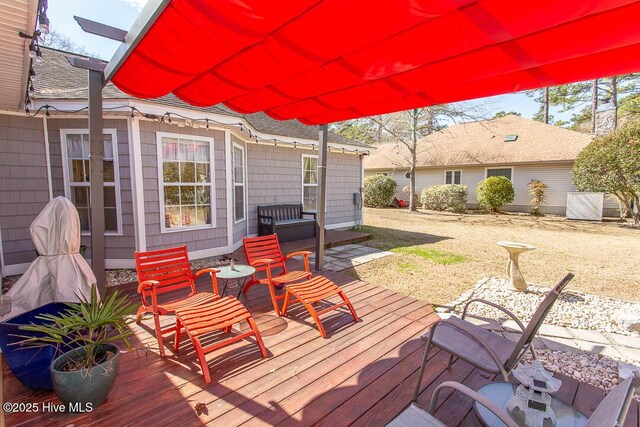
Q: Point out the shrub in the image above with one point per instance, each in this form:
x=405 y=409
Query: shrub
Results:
x=445 y=198
x=611 y=164
x=536 y=189
x=378 y=191
x=495 y=192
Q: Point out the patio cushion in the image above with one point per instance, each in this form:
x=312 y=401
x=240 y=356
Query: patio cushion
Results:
x=452 y=340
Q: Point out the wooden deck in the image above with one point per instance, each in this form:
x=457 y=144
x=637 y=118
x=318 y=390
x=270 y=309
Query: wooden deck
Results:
x=363 y=374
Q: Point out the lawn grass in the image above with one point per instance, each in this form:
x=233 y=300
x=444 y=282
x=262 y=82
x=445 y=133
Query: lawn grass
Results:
x=435 y=255
x=438 y=256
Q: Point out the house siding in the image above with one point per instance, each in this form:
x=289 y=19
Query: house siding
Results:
x=275 y=177
x=197 y=240
x=120 y=247
x=557 y=177
x=23 y=180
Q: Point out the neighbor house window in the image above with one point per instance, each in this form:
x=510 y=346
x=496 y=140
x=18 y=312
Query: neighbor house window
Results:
x=407 y=176
x=238 y=183
x=453 y=177
x=506 y=172
x=186 y=195
x=76 y=167
x=382 y=173
x=309 y=183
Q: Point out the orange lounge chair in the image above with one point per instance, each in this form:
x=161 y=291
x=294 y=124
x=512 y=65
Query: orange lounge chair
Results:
x=168 y=270
x=263 y=253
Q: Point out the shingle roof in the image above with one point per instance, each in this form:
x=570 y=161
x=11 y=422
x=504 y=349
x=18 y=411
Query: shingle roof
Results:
x=482 y=143
x=57 y=80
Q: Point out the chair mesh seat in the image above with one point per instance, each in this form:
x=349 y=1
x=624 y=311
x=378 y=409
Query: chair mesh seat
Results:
x=451 y=339
x=414 y=416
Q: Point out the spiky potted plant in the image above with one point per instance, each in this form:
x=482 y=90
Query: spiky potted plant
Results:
x=83 y=377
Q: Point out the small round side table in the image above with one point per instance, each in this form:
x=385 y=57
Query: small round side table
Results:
x=238 y=274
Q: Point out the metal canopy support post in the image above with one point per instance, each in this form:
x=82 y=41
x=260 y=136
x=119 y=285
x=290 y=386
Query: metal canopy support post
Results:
x=322 y=194
x=96 y=177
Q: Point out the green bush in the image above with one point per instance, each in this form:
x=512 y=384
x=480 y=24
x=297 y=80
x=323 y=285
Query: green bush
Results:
x=495 y=192
x=445 y=198
x=378 y=191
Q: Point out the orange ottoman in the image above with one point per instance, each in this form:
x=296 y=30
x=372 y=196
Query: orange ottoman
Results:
x=313 y=291
x=221 y=314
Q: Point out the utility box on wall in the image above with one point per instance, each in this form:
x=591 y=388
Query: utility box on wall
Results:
x=586 y=206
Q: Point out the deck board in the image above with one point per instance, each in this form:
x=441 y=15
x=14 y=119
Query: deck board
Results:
x=363 y=374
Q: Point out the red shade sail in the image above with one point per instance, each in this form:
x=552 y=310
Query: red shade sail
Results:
x=321 y=61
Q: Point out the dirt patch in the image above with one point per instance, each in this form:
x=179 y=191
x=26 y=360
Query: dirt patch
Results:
x=603 y=256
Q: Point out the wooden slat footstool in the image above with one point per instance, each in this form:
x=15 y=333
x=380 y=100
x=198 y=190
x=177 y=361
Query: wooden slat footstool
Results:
x=313 y=291
x=214 y=316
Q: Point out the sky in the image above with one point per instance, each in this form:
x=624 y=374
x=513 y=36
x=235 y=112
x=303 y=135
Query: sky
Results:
x=122 y=13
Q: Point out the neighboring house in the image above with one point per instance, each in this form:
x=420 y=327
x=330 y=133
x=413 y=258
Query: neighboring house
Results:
x=168 y=180
x=518 y=148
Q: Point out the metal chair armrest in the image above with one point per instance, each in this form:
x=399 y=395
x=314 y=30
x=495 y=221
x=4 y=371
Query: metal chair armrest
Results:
x=496 y=306
x=469 y=333
x=473 y=395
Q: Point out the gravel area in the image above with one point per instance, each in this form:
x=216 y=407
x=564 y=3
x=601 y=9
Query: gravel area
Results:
x=573 y=309
x=590 y=368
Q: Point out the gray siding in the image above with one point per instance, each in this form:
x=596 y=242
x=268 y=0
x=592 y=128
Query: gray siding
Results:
x=23 y=181
x=196 y=239
x=116 y=246
x=275 y=176
x=240 y=228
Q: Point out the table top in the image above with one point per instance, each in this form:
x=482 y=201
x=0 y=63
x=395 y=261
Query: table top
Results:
x=500 y=393
x=238 y=272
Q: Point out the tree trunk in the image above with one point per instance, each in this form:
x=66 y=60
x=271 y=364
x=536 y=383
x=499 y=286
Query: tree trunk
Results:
x=594 y=105
x=546 y=105
x=614 y=100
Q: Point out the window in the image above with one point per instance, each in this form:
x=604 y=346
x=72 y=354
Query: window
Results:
x=185 y=181
x=506 y=172
x=238 y=183
x=407 y=176
x=382 y=173
x=76 y=169
x=453 y=177
x=309 y=183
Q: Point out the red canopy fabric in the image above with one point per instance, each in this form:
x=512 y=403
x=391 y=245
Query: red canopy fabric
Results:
x=321 y=61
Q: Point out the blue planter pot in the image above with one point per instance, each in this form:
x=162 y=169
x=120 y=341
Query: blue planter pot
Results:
x=31 y=365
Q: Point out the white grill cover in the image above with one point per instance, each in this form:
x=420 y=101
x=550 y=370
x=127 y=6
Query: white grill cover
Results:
x=60 y=273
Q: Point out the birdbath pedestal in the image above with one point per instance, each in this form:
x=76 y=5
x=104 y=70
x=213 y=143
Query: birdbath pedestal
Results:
x=513 y=270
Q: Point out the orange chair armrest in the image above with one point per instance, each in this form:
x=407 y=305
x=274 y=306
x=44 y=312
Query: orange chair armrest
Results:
x=205 y=271
x=266 y=261
x=298 y=253
x=147 y=284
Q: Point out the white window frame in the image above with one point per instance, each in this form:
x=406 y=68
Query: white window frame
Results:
x=243 y=184
x=312 y=156
x=500 y=167
x=212 y=184
x=116 y=173
x=453 y=176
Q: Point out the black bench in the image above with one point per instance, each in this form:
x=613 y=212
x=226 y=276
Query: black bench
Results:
x=287 y=221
